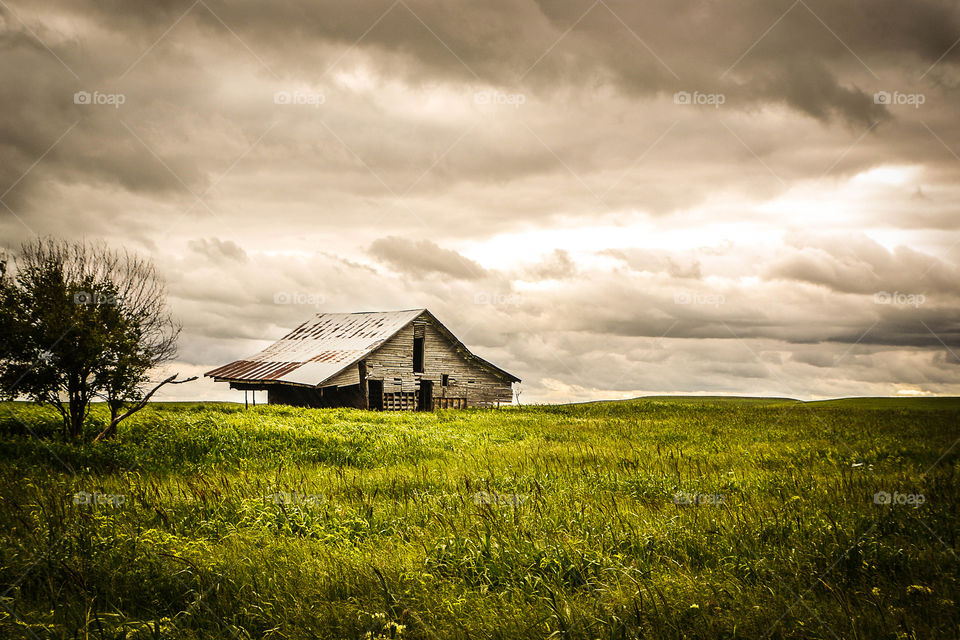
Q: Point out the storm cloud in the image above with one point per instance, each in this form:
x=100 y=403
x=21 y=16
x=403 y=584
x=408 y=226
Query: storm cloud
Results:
x=605 y=197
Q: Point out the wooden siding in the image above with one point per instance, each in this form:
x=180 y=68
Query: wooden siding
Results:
x=392 y=363
x=487 y=389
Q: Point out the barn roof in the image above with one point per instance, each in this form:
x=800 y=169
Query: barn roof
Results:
x=328 y=343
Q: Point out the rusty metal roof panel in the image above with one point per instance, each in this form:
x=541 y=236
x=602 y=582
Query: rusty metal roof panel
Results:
x=320 y=348
x=247 y=369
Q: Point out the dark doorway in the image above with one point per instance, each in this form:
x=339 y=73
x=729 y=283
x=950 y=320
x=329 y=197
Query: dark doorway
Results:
x=425 y=401
x=418 y=355
x=375 y=394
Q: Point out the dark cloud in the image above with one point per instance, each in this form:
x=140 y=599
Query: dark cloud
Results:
x=811 y=88
x=858 y=264
x=177 y=101
x=557 y=265
x=423 y=257
x=819 y=359
x=523 y=169
x=217 y=250
x=657 y=262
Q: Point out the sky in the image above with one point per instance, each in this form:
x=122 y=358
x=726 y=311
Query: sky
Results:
x=607 y=198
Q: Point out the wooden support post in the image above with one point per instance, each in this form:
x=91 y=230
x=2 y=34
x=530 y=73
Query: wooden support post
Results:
x=254 y=392
x=362 y=370
x=245 y=404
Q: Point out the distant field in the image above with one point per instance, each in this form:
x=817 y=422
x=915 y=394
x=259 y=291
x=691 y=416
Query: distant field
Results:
x=658 y=517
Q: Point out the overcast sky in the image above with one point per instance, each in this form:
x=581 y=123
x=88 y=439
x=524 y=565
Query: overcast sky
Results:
x=606 y=198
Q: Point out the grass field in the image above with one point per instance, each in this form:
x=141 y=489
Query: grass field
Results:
x=657 y=517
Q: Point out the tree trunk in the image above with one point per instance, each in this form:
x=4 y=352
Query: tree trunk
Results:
x=78 y=409
x=76 y=422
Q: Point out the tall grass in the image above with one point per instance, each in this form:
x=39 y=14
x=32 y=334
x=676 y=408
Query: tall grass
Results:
x=660 y=518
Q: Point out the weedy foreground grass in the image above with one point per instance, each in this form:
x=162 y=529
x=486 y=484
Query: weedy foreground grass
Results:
x=651 y=518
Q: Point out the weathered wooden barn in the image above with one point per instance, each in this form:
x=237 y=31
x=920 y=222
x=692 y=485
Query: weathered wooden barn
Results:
x=391 y=361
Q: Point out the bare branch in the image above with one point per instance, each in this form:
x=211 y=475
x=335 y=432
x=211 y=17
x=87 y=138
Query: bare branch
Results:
x=112 y=428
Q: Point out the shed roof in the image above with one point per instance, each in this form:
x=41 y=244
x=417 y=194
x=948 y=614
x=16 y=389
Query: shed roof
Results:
x=328 y=343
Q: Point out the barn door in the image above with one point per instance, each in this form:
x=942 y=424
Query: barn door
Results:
x=425 y=400
x=375 y=394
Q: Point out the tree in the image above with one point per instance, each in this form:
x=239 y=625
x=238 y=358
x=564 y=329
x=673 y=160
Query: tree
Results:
x=80 y=322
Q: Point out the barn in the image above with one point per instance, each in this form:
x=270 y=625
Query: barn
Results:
x=389 y=361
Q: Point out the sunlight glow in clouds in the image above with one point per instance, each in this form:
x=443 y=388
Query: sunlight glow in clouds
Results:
x=503 y=250
x=618 y=214
x=891 y=175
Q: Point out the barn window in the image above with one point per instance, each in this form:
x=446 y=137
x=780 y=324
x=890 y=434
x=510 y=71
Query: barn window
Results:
x=444 y=380
x=418 y=355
